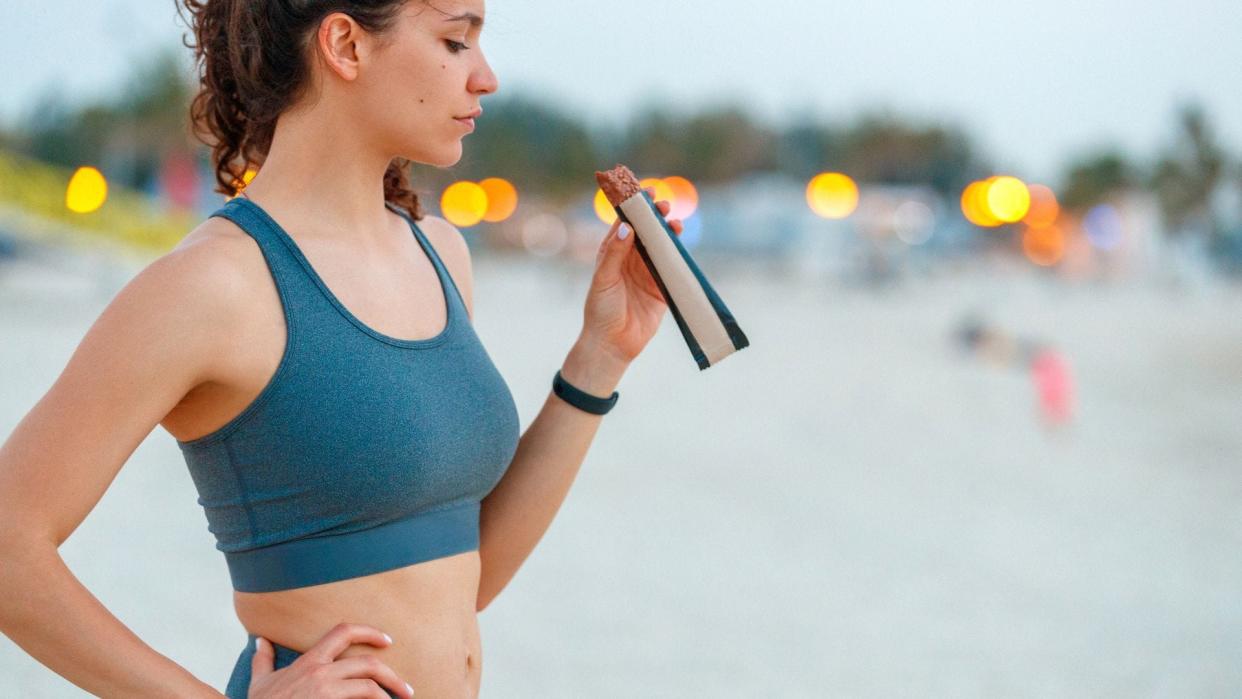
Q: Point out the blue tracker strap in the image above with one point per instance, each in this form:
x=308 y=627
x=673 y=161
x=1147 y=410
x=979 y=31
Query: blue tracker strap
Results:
x=581 y=399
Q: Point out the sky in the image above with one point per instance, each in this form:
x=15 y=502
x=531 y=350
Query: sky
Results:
x=1034 y=83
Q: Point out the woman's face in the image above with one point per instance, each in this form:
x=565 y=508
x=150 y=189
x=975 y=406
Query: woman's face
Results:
x=428 y=72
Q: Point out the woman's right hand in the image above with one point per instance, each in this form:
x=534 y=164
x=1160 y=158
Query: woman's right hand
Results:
x=317 y=674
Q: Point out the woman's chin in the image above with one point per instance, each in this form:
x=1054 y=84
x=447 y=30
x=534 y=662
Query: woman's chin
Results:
x=450 y=154
x=446 y=156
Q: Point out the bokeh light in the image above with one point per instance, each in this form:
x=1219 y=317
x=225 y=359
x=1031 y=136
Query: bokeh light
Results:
x=974 y=205
x=685 y=197
x=1102 y=224
x=603 y=208
x=463 y=203
x=502 y=199
x=87 y=190
x=913 y=221
x=1043 y=246
x=544 y=235
x=246 y=177
x=832 y=195
x=1044 y=208
x=1007 y=199
x=663 y=192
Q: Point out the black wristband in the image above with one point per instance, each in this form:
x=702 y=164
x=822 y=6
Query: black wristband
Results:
x=581 y=399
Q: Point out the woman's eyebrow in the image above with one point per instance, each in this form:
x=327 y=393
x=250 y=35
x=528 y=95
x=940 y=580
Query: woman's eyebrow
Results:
x=475 y=20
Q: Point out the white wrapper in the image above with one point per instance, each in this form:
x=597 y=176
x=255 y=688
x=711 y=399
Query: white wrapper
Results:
x=706 y=324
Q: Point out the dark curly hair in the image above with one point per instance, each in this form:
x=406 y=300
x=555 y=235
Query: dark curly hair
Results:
x=252 y=66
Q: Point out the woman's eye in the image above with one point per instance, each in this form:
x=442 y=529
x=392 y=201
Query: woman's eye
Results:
x=455 y=46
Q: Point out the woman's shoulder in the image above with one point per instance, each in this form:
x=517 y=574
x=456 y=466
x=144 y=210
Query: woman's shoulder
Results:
x=453 y=250
x=441 y=232
x=210 y=277
x=219 y=256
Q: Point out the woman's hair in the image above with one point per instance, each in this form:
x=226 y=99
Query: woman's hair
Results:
x=254 y=66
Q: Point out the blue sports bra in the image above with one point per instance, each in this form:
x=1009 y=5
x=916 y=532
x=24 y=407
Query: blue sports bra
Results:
x=363 y=452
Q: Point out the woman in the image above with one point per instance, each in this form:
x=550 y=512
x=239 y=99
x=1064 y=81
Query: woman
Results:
x=310 y=348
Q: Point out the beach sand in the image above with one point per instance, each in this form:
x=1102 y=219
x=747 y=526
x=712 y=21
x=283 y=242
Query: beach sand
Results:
x=848 y=507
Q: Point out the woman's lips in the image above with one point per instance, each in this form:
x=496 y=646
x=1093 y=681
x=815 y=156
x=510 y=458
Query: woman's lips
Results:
x=468 y=121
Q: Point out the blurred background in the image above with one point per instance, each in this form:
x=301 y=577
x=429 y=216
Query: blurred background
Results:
x=985 y=441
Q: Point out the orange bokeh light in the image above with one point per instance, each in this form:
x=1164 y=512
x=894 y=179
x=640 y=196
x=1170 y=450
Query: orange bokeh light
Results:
x=502 y=199
x=1043 y=246
x=663 y=192
x=685 y=199
x=1044 y=207
x=974 y=204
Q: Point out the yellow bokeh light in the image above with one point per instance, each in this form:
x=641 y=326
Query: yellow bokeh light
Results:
x=87 y=190
x=603 y=209
x=463 y=203
x=663 y=192
x=1044 y=207
x=1008 y=199
x=974 y=205
x=502 y=199
x=832 y=195
x=685 y=199
x=1043 y=246
x=245 y=180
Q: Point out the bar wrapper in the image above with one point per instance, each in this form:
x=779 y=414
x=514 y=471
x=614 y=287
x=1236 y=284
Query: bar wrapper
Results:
x=708 y=327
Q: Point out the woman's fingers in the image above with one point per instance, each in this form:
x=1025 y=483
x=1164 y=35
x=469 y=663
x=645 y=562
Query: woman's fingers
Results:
x=369 y=667
x=344 y=635
x=318 y=672
x=361 y=689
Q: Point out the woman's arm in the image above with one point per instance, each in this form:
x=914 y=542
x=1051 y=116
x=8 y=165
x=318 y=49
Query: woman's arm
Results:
x=153 y=343
x=520 y=508
x=515 y=515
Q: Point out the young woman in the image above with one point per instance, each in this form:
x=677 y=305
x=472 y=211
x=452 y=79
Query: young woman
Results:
x=310 y=348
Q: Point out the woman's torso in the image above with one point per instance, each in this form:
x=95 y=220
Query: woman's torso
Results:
x=428 y=608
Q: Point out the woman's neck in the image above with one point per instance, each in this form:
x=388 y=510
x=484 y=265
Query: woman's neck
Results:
x=321 y=172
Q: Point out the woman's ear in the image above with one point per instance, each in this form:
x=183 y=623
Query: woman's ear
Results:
x=341 y=42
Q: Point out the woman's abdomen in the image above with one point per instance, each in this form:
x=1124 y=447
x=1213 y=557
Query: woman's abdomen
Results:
x=429 y=609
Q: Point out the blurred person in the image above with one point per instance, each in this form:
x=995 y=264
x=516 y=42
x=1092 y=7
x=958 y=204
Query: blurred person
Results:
x=1048 y=367
x=310 y=347
x=1054 y=386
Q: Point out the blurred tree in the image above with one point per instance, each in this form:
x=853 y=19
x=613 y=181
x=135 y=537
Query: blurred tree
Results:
x=717 y=144
x=723 y=143
x=126 y=138
x=1188 y=174
x=654 y=142
x=884 y=148
x=807 y=148
x=530 y=143
x=1091 y=179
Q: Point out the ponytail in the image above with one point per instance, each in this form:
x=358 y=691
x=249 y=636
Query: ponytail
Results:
x=252 y=67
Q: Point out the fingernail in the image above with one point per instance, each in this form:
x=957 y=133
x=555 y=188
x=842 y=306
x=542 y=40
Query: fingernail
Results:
x=258 y=643
x=622 y=232
x=409 y=689
x=388 y=637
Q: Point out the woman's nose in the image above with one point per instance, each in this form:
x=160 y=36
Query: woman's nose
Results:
x=484 y=80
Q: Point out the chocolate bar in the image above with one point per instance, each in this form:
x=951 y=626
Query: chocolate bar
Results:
x=705 y=322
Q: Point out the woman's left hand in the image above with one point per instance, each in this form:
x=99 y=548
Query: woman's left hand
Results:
x=624 y=306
